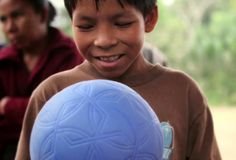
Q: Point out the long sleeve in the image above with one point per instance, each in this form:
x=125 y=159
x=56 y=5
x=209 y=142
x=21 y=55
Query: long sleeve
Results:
x=202 y=144
x=201 y=138
x=36 y=102
x=23 y=144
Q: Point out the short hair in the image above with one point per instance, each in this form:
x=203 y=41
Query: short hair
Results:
x=144 y=6
x=39 y=6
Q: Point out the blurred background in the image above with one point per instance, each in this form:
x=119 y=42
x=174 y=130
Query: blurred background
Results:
x=198 y=37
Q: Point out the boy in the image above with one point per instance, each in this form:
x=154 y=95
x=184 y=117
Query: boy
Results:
x=110 y=34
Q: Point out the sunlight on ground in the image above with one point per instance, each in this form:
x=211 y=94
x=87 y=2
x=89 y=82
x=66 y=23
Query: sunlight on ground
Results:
x=225 y=128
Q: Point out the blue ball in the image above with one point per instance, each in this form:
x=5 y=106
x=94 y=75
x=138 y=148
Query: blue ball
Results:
x=96 y=120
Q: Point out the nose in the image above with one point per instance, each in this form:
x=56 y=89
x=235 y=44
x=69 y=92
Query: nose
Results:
x=105 y=38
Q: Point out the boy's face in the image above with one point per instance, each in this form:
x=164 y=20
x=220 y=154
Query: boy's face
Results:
x=109 y=37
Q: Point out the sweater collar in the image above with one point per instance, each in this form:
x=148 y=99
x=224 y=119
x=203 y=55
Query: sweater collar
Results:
x=132 y=81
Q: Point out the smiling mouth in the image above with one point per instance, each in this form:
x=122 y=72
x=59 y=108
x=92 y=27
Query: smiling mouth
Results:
x=109 y=58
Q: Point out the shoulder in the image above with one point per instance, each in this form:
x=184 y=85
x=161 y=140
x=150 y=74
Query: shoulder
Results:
x=183 y=88
x=59 y=81
x=196 y=100
x=175 y=79
x=174 y=75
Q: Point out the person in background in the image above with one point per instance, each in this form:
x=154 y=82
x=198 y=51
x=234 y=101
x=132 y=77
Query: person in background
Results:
x=35 y=51
x=110 y=36
x=153 y=54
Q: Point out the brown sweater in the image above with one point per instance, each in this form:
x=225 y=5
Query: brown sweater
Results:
x=173 y=95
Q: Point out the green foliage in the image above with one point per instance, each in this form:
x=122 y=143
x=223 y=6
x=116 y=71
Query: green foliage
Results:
x=168 y=34
x=214 y=57
x=203 y=47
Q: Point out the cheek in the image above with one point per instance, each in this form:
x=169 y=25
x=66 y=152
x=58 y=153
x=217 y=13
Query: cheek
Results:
x=134 y=35
x=134 y=38
x=29 y=26
x=27 y=21
x=34 y=29
x=76 y=36
x=81 y=43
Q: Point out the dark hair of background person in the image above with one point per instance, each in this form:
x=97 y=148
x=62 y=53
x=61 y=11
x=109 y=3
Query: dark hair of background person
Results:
x=39 y=6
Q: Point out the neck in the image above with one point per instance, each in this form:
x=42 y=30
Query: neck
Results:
x=33 y=53
x=138 y=73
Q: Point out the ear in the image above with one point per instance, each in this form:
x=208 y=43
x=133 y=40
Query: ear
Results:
x=151 y=20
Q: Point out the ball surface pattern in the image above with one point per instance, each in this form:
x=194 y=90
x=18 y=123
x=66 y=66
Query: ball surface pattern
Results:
x=96 y=120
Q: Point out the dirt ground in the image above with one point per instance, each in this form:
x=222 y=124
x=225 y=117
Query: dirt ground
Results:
x=225 y=128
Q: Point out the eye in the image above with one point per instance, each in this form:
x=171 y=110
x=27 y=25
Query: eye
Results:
x=14 y=16
x=124 y=24
x=3 y=19
x=85 y=27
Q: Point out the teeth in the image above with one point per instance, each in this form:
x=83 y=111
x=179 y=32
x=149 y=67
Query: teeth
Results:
x=109 y=59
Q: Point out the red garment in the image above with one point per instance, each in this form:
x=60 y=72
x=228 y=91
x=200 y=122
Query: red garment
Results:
x=18 y=83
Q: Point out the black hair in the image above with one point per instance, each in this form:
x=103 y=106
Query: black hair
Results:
x=39 y=6
x=145 y=6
